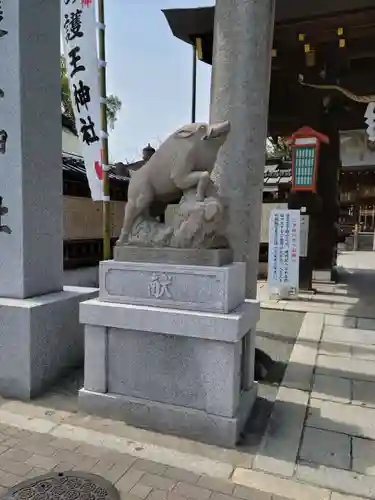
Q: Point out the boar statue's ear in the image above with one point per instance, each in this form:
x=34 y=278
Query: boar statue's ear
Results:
x=189 y=130
x=184 y=132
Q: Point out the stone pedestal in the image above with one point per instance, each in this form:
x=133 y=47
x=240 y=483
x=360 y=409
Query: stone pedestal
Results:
x=159 y=355
x=40 y=335
x=193 y=288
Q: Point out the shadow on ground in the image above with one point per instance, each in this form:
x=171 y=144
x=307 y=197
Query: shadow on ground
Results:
x=276 y=334
x=356 y=276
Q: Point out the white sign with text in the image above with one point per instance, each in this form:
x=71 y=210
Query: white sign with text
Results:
x=284 y=253
x=79 y=29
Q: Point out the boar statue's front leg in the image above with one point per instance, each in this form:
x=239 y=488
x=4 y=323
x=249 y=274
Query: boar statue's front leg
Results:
x=188 y=181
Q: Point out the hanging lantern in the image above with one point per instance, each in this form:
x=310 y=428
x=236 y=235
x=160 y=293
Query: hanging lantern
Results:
x=305 y=160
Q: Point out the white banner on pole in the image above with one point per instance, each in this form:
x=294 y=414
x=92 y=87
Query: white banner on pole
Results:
x=79 y=28
x=284 y=253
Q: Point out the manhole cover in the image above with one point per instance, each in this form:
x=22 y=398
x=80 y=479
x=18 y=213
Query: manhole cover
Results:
x=63 y=486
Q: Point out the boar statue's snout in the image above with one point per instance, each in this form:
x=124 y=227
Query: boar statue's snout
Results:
x=218 y=130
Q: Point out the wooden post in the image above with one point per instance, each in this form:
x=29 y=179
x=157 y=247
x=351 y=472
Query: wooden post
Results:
x=104 y=135
x=194 y=85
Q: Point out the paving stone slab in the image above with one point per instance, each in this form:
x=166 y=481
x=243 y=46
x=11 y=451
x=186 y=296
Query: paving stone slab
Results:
x=299 y=371
x=363 y=393
x=331 y=389
x=366 y=323
x=252 y=494
x=346 y=419
x=350 y=368
x=339 y=480
x=363 y=451
x=326 y=448
x=363 y=352
x=312 y=327
x=352 y=336
x=335 y=349
x=279 y=447
x=335 y=320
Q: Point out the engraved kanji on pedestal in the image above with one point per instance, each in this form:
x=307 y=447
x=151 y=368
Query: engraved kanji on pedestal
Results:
x=3 y=211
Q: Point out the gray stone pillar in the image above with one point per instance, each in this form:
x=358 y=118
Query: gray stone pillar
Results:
x=240 y=93
x=40 y=334
x=30 y=167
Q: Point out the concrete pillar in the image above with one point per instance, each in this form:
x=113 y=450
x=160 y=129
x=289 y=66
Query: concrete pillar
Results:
x=240 y=93
x=40 y=334
x=30 y=169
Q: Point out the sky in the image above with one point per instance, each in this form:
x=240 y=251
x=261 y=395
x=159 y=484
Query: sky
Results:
x=151 y=72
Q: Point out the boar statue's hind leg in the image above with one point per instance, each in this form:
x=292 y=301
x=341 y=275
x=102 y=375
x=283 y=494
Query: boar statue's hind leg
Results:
x=135 y=206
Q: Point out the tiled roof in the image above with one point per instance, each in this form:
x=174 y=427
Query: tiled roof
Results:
x=274 y=174
x=278 y=174
x=76 y=165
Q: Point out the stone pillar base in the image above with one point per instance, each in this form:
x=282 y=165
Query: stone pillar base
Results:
x=40 y=338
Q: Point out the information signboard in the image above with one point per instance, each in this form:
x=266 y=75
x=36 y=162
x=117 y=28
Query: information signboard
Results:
x=284 y=253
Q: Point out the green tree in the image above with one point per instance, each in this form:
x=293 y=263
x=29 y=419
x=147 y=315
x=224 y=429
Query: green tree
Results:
x=113 y=102
x=278 y=148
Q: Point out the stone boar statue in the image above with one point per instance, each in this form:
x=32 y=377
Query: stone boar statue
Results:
x=184 y=161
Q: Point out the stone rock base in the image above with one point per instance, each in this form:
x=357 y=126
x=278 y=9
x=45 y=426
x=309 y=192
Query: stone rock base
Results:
x=216 y=257
x=171 y=419
x=40 y=338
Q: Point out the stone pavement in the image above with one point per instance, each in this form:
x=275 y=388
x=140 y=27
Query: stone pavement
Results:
x=319 y=443
x=353 y=296
x=32 y=446
x=322 y=428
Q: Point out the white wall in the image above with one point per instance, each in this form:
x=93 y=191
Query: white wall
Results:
x=70 y=143
x=84 y=276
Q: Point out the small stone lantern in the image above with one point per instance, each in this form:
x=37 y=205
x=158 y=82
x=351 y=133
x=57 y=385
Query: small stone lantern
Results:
x=147 y=152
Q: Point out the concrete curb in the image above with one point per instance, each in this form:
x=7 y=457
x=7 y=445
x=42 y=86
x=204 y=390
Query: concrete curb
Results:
x=275 y=485
x=318 y=308
x=280 y=444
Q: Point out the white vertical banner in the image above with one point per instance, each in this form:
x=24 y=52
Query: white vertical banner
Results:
x=284 y=253
x=79 y=28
